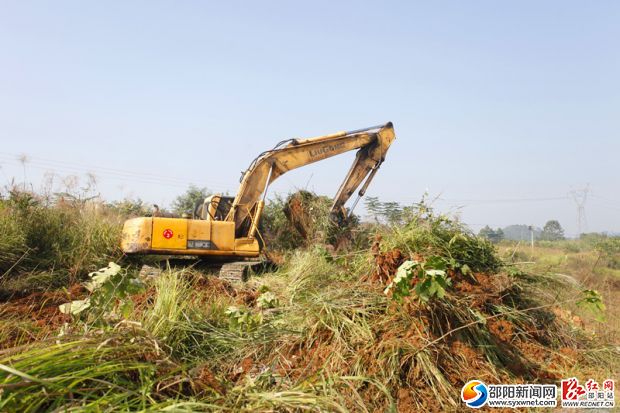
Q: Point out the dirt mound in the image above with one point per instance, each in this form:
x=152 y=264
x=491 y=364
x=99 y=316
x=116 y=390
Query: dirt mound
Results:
x=477 y=323
x=38 y=313
x=386 y=263
x=209 y=287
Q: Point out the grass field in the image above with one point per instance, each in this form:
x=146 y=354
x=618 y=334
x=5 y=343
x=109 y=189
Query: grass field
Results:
x=581 y=260
x=342 y=330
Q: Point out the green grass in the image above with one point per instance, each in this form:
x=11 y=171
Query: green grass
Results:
x=53 y=244
x=579 y=261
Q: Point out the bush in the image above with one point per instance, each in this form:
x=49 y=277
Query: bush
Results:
x=132 y=208
x=277 y=231
x=609 y=250
x=70 y=237
x=428 y=235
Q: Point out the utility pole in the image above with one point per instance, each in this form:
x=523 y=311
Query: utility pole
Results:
x=580 y=196
x=531 y=228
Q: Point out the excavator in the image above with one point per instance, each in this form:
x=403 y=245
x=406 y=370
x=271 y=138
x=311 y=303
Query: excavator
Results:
x=224 y=229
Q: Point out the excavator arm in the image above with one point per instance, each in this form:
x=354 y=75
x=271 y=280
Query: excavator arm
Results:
x=372 y=145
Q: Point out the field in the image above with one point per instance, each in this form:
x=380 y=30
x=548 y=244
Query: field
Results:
x=395 y=318
x=581 y=260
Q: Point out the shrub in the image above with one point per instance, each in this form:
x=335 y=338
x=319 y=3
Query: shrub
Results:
x=427 y=234
x=185 y=203
x=609 y=250
x=68 y=237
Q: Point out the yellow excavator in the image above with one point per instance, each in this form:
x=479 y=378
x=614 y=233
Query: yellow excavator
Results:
x=225 y=228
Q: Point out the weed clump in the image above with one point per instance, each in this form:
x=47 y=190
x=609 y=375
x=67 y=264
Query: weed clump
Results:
x=426 y=234
x=63 y=240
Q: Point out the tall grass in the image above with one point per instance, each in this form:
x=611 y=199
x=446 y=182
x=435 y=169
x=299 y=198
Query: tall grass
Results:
x=65 y=239
x=428 y=234
x=114 y=372
x=168 y=315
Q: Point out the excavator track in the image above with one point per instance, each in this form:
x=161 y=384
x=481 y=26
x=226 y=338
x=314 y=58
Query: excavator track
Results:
x=239 y=270
x=236 y=271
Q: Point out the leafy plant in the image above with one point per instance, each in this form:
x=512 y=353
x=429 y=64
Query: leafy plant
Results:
x=608 y=249
x=429 y=234
x=242 y=319
x=428 y=278
x=267 y=300
x=110 y=289
x=592 y=301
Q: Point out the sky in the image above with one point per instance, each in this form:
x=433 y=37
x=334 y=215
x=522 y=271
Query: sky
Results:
x=501 y=109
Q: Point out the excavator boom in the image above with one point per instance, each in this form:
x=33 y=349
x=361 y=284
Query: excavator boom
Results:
x=372 y=144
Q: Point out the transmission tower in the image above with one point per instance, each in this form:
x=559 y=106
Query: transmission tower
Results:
x=580 y=197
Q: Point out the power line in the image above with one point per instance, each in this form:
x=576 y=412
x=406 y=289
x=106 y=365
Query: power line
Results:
x=606 y=199
x=118 y=174
x=74 y=165
x=615 y=208
x=503 y=200
x=489 y=200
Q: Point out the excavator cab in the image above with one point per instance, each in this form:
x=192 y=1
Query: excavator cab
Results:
x=213 y=208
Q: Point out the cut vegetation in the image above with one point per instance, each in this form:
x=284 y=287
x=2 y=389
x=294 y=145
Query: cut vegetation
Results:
x=396 y=319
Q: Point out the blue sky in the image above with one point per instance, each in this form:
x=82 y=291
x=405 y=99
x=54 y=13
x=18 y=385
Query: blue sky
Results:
x=492 y=101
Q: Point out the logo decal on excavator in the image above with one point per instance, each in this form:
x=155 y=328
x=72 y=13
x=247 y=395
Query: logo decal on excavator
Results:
x=168 y=233
x=327 y=149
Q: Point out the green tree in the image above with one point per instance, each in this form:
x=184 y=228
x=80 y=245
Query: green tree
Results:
x=499 y=235
x=389 y=212
x=552 y=231
x=373 y=206
x=186 y=202
x=132 y=207
x=493 y=235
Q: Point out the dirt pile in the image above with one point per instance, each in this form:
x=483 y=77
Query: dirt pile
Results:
x=488 y=327
x=36 y=315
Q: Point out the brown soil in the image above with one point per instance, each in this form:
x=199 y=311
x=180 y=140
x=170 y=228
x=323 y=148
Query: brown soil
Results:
x=386 y=263
x=143 y=299
x=503 y=330
x=209 y=287
x=206 y=379
x=41 y=310
x=245 y=366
